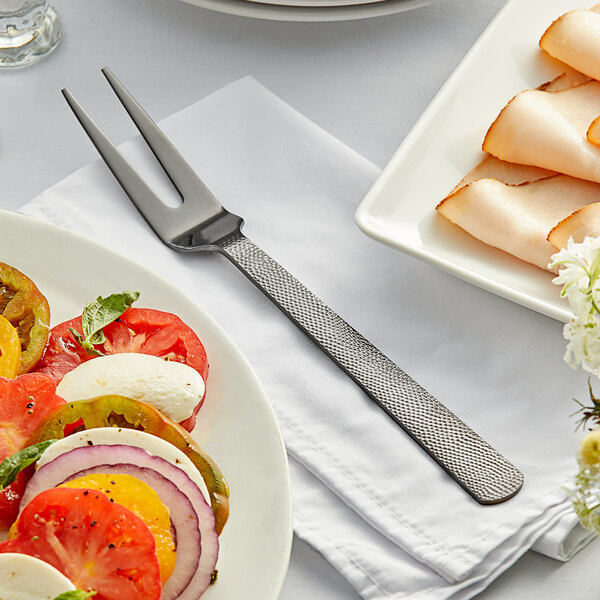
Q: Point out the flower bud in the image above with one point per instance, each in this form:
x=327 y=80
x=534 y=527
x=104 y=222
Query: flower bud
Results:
x=590 y=448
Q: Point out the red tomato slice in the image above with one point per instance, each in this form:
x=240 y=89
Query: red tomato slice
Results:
x=25 y=402
x=142 y=330
x=98 y=544
x=10 y=500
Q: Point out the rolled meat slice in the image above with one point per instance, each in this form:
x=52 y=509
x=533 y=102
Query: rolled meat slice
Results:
x=548 y=129
x=510 y=173
x=578 y=225
x=517 y=218
x=574 y=38
x=569 y=78
x=593 y=132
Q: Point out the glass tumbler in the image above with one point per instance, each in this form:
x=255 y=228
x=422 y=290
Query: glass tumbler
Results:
x=29 y=30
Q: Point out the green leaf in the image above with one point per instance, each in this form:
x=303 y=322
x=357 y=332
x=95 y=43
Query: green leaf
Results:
x=75 y=595
x=98 y=314
x=103 y=311
x=85 y=344
x=588 y=412
x=11 y=466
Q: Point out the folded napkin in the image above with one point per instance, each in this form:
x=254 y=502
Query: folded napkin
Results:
x=364 y=494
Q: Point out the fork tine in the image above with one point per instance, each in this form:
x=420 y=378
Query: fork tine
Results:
x=187 y=182
x=151 y=207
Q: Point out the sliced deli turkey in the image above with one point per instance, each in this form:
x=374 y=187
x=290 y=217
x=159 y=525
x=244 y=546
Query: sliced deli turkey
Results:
x=578 y=225
x=549 y=129
x=574 y=38
x=540 y=182
x=518 y=218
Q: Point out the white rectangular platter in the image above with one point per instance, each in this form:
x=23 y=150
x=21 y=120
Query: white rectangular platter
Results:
x=445 y=144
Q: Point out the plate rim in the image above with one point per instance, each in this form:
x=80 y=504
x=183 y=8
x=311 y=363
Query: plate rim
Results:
x=316 y=4
x=29 y=222
x=259 y=10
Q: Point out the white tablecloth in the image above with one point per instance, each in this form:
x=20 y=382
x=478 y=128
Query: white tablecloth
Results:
x=364 y=82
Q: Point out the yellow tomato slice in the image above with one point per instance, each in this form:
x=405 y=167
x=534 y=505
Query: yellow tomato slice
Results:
x=10 y=349
x=142 y=500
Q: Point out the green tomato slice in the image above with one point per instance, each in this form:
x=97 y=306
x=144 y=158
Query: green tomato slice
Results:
x=28 y=312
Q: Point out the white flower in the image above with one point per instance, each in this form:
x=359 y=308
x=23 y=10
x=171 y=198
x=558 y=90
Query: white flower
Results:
x=585 y=496
x=580 y=277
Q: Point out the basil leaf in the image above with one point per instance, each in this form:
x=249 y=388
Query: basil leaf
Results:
x=85 y=344
x=75 y=595
x=103 y=311
x=98 y=314
x=11 y=466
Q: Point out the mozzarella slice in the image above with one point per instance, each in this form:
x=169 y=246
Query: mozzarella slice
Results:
x=113 y=436
x=172 y=387
x=24 y=577
x=518 y=218
x=548 y=130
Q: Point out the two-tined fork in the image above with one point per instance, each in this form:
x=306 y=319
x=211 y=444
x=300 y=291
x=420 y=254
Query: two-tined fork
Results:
x=202 y=224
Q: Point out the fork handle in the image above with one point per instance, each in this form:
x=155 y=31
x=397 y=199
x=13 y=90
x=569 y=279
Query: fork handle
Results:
x=484 y=473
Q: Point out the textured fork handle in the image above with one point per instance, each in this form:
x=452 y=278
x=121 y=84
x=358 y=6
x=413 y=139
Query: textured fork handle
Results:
x=472 y=462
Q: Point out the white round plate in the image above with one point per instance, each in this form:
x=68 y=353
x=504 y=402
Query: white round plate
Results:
x=236 y=424
x=277 y=12
x=316 y=3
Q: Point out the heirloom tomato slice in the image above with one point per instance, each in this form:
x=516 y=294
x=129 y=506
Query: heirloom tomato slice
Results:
x=142 y=330
x=28 y=312
x=10 y=499
x=25 y=402
x=119 y=411
x=138 y=497
x=98 y=544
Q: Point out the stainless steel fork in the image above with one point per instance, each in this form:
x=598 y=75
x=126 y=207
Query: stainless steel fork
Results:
x=202 y=224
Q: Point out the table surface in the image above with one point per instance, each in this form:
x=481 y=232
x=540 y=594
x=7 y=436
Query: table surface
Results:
x=366 y=82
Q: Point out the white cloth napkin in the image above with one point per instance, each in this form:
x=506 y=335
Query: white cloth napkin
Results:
x=364 y=494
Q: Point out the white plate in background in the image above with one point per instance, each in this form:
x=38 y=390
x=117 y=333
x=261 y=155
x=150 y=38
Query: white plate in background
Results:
x=236 y=424
x=445 y=144
x=277 y=12
x=317 y=3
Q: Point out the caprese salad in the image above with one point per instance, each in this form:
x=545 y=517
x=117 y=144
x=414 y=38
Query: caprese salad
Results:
x=104 y=492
